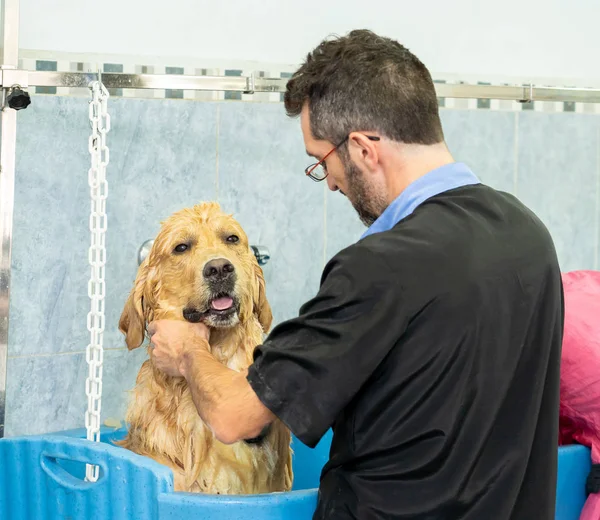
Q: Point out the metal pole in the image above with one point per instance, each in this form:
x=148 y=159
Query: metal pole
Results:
x=9 y=39
x=251 y=84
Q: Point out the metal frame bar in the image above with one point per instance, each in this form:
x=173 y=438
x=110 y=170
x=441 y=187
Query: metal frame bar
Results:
x=251 y=84
x=9 y=39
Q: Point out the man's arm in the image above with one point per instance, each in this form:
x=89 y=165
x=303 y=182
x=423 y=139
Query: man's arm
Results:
x=223 y=397
x=309 y=368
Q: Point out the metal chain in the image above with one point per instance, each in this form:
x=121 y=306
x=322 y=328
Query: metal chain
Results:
x=100 y=123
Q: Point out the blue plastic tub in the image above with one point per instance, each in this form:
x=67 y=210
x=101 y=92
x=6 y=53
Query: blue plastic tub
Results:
x=41 y=478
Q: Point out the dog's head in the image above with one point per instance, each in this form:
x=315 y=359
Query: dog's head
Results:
x=200 y=268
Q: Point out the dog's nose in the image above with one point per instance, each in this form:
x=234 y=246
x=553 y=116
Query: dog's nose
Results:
x=218 y=269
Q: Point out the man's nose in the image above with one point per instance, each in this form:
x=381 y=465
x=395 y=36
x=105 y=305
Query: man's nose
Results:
x=331 y=184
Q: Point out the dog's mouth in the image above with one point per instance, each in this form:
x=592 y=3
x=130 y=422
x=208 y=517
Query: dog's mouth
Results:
x=220 y=308
x=222 y=304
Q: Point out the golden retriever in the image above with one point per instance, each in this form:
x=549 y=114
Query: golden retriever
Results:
x=201 y=267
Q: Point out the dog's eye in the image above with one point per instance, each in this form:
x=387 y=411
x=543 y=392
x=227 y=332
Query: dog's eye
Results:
x=233 y=239
x=181 y=248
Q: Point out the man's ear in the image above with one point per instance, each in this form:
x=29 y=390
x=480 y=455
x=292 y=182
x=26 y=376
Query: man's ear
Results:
x=363 y=150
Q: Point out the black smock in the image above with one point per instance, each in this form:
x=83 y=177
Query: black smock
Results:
x=433 y=351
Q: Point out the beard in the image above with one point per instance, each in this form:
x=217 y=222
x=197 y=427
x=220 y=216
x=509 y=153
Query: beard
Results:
x=366 y=200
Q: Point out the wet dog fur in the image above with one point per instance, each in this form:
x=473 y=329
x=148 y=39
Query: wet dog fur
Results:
x=201 y=267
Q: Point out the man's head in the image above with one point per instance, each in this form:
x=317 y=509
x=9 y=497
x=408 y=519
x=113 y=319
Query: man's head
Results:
x=364 y=100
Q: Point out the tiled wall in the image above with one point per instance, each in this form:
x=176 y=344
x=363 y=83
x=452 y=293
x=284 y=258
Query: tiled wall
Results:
x=167 y=154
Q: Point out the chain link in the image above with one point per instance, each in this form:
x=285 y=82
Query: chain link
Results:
x=100 y=123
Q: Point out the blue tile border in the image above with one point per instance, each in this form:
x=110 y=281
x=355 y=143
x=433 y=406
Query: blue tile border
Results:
x=117 y=68
x=284 y=75
x=441 y=100
x=46 y=66
x=174 y=93
x=484 y=103
x=112 y=67
x=233 y=95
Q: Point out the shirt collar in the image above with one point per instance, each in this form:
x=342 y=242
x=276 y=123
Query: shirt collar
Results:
x=433 y=183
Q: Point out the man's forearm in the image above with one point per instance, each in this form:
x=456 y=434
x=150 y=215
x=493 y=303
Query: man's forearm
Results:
x=223 y=397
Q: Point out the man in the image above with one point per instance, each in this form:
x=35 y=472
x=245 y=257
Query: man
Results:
x=433 y=346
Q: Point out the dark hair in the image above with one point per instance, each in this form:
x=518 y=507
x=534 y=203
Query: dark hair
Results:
x=366 y=82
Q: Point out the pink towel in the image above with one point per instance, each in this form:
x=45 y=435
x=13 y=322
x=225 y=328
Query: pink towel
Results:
x=580 y=371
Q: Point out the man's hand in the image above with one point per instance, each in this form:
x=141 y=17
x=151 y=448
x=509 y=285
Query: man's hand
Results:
x=223 y=397
x=173 y=339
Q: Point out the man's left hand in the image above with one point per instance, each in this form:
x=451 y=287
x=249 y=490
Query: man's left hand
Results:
x=172 y=339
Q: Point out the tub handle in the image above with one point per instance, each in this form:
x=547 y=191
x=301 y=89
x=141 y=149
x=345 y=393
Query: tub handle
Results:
x=52 y=468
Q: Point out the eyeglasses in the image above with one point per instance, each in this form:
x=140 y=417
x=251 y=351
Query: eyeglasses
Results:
x=318 y=171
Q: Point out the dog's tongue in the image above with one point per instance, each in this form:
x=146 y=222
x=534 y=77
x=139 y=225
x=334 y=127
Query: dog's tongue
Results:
x=221 y=304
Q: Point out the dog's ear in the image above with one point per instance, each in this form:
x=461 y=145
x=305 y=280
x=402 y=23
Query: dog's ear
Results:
x=135 y=314
x=261 y=307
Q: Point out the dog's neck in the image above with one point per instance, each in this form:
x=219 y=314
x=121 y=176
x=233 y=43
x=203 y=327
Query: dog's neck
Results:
x=233 y=346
